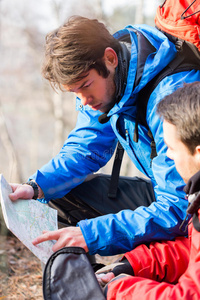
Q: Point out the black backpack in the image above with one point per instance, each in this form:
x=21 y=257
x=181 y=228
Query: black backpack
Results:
x=68 y=275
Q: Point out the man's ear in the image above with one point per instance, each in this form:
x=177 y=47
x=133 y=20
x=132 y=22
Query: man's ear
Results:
x=110 y=57
x=197 y=154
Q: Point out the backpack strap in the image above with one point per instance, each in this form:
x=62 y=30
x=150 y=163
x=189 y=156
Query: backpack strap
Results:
x=187 y=58
x=144 y=49
x=112 y=193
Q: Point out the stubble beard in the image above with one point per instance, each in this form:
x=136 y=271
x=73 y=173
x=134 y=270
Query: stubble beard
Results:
x=110 y=92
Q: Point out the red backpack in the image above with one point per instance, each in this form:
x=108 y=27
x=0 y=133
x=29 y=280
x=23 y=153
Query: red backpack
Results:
x=180 y=18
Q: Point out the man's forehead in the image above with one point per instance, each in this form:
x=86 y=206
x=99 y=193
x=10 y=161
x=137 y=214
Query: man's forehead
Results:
x=73 y=87
x=170 y=132
x=171 y=135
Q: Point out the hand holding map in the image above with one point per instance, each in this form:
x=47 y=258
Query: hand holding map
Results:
x=26 y=219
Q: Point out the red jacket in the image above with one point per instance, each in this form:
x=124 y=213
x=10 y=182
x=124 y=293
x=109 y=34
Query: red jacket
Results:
x=167 y=270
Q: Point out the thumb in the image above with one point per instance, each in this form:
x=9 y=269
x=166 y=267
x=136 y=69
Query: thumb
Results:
x=22 y=192
x=13 y=196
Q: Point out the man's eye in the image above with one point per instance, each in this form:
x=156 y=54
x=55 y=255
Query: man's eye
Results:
x=87 y=85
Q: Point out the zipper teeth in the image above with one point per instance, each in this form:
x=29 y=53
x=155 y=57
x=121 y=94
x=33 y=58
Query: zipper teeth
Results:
x=174 y=28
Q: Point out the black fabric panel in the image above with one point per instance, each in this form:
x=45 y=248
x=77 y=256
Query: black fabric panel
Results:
x=90 y=199
x=68 y=275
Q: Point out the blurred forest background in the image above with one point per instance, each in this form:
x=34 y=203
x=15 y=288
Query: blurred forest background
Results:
x=34 y=120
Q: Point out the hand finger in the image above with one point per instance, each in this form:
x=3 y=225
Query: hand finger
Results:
x=57 y=247
x=61 y=242
x=49 y=235
x=107 y=277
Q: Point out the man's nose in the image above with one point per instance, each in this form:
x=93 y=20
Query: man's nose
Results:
x=85 y=100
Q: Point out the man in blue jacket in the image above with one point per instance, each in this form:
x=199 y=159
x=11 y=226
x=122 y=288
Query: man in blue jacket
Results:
x=108 y=74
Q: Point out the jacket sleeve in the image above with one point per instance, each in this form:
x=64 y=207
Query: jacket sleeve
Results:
x=139 y=287
x=88 y=148
x=165 y=261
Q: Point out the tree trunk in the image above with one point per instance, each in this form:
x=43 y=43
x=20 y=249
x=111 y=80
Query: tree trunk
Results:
x=59 y=124
x=13 y=164
x=139 y=16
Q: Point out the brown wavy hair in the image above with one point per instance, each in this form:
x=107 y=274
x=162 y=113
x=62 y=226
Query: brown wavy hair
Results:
x=75 y=48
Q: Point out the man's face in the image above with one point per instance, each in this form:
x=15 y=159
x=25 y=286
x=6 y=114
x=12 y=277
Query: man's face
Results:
x=95 y=91
x=186 y=163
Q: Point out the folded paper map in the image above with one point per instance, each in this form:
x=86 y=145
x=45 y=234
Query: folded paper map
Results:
x=27 y=219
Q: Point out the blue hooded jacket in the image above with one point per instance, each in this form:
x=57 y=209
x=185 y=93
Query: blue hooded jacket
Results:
x=91 y=144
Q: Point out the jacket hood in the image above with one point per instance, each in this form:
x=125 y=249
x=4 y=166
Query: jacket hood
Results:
x=151 y=51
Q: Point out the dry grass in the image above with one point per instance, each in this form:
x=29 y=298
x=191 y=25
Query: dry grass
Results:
x=21 y=273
